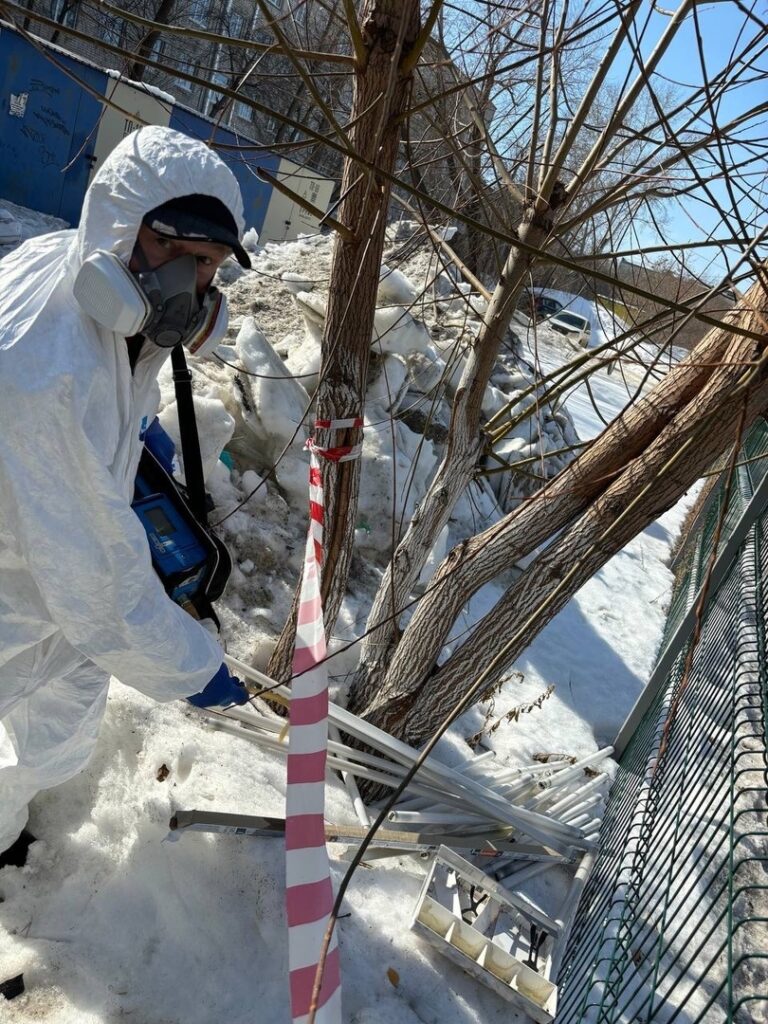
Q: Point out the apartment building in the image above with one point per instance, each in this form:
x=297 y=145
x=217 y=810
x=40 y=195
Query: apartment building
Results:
x=89 y=29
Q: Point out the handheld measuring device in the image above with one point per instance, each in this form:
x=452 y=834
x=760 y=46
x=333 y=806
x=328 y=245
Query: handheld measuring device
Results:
x=179 y=558
x=192 y=562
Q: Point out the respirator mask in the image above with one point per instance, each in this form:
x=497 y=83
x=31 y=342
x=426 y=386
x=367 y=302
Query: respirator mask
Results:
x=162 y=304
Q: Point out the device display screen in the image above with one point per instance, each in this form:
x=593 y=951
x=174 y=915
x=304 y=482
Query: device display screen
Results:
x=160 y=522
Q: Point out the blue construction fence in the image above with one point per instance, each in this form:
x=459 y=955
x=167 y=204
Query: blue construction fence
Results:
x=53 y=126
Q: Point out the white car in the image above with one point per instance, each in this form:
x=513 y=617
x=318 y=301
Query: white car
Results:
x=10 y=229
x=574 y=326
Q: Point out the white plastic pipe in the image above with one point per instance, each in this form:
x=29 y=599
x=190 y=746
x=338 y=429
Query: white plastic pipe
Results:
x=580 y=808
x=557 y=802
x=539 y=768
x=574 y=770
x=337 y=760
x=351 y=785
x=434 y=818
x=568 y=911
x=535 y=825
x=254 y=720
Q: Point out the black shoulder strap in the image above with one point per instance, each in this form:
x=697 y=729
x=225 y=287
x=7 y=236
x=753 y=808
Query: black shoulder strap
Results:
x=190 y=442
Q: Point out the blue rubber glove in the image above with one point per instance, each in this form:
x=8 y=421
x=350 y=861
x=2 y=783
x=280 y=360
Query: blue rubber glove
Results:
x=223 y=690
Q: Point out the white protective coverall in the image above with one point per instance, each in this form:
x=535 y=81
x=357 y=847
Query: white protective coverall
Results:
x=79 y=600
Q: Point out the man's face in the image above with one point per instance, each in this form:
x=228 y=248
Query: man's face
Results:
x=158 y=250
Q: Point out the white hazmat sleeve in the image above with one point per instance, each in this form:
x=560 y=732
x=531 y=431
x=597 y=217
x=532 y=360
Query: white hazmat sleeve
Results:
x=87 y=551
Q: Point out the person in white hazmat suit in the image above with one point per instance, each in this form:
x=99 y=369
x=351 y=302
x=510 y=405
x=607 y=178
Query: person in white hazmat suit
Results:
x=81 y=344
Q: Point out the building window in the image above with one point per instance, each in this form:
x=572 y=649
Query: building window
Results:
x=113 y=31
x=243 y=111
x=188 y=69
x=198 y=11
x=236 y=25
x=158 y=49
x=65 y=12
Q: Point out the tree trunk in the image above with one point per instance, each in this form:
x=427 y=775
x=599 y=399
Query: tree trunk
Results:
x=389 y=31
x=483 y=557
x=465 y=445
x=650 y=484
x=163 y=16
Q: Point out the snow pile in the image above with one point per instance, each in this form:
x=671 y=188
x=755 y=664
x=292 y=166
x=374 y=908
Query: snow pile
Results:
x=10 y=228
x=418 y=353
x=17 y=224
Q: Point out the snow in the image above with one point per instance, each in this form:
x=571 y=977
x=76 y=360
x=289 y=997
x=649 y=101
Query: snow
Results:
x=10 y=229
x=395 y=330
x=30 y=222
x=214 y=424
x=151 y=90
x=395 y=287
x=115 y=918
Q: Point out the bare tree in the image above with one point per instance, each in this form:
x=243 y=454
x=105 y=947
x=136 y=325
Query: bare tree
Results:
x=163 y=15
x=551 y=134
x=560 y=196
x=384 y=42
x=636 y=470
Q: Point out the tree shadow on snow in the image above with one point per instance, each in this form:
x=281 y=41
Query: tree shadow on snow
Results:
x=590 y=676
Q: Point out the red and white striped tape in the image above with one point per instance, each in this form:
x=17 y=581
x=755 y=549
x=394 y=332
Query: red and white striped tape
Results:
x=309 y=893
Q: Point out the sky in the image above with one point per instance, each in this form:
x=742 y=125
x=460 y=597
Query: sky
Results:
x=724 y=30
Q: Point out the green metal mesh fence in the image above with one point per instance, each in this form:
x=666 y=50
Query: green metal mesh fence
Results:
x=673 y=923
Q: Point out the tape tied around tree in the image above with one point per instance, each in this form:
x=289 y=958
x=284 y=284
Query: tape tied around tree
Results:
x=341 y=453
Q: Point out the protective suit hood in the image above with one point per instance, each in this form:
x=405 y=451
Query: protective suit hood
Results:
x=147 y=168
